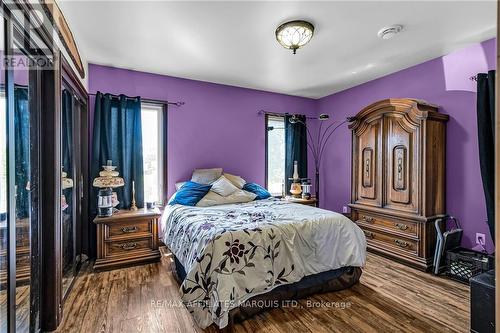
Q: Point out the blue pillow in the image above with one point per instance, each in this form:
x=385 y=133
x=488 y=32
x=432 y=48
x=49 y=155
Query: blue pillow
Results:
x=261 y=192
x=190 y=193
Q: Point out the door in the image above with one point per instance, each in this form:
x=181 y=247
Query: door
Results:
x=368 y=163
x=23 y=61
x=69 y=178
x=73 y=144
x=401 y=163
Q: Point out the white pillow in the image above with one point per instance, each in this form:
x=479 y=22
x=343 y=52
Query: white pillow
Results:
x=179 y=185
x=213 y=199
x=223 y=186
x=236 y=180
x=206 y=176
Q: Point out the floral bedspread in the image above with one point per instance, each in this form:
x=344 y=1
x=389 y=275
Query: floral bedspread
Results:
x=234 y=252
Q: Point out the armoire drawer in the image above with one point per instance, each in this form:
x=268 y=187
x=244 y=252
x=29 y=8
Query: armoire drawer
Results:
x=395 y=243
x=387 y=224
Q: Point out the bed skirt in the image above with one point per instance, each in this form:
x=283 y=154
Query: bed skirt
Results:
x=334 y=280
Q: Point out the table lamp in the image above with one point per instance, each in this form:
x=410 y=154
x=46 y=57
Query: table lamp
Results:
x=108 y=180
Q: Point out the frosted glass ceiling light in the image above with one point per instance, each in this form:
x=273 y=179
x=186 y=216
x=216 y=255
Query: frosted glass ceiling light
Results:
x=294 y=34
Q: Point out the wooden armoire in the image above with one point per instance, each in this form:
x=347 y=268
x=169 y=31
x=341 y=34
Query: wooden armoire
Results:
x=398 y=177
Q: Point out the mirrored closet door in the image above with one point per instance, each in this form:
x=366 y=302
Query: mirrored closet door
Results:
x=68 y=217
x=73 y=177
x=21 y=85
x=3 y=191
x=25 y=180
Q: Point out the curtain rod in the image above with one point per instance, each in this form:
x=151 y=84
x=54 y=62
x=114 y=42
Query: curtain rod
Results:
x=157 y=101
x=281 y=114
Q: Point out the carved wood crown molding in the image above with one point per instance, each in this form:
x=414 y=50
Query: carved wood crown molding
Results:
x=413 y=110
x=59 y=23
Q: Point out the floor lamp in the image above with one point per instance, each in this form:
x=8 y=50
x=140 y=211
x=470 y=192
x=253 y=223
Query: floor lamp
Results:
x=317 y=147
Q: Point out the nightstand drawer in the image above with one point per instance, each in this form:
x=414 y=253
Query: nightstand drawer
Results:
x=127 y=247
x=129 y=229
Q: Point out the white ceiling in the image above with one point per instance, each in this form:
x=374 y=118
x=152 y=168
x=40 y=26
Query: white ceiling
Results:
x=233 y=42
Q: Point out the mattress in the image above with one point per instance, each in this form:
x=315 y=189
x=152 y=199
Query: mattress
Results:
x=232 y=253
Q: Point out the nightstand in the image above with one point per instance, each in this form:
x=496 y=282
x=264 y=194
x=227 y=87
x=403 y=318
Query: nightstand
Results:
x=127 y=238
x=308 y=202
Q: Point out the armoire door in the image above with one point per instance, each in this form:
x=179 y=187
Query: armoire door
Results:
x=401 y=190
x=368 y=149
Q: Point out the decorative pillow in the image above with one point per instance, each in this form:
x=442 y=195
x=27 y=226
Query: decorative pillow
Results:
x=172 y=198
x=223 y=186
x=261 y=192
x=179 y=185
x=206 y=176
x=190 y=193
x=213 y=199
x=236 y=180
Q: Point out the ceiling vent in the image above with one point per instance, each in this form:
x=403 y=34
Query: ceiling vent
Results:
x=389 y=32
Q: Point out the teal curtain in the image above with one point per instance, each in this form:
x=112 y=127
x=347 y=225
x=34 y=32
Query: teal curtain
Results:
x=67 y=132
x=22 y=151
x=295 y=147
x=118 y=137
x=67 y=141
x=486 y=140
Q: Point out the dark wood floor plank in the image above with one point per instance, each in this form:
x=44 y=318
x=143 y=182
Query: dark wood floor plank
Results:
x=389 y=298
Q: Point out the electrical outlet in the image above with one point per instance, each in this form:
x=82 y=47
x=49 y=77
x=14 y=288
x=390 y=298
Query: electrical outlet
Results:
x=344 y=209
x=480 y=239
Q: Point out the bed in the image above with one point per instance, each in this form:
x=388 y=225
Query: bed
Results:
x=228 y=255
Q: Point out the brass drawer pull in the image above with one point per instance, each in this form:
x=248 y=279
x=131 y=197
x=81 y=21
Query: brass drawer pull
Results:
x=401 y=226
x=401 y=243
x=368 y=219
x=368 y=234
x=129 y=246
x=129 y=229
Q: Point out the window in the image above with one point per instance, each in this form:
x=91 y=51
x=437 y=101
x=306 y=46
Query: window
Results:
x=275 y=154
x=153 y=151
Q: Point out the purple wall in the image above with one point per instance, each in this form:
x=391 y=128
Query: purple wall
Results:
x=443 y=81
x=217 y=127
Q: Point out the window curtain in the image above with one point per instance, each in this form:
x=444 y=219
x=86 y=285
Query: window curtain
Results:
x=22 y=151
x=118 y=137
x=67 y=140
x=295 y=148
x=486 y=132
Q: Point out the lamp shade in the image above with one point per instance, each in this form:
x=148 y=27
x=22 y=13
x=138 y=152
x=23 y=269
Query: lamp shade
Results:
x=108 y=178
x=103 y=182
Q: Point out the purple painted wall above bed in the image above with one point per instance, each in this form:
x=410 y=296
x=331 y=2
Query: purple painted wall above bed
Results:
x=217 y=127
x=443 y=81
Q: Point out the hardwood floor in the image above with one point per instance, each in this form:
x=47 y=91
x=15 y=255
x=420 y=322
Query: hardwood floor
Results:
x=22 y=309
x=389 y=298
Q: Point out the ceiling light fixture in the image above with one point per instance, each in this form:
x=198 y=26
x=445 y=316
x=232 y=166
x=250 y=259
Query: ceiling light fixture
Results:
x=294 y=34
x=390 y=31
